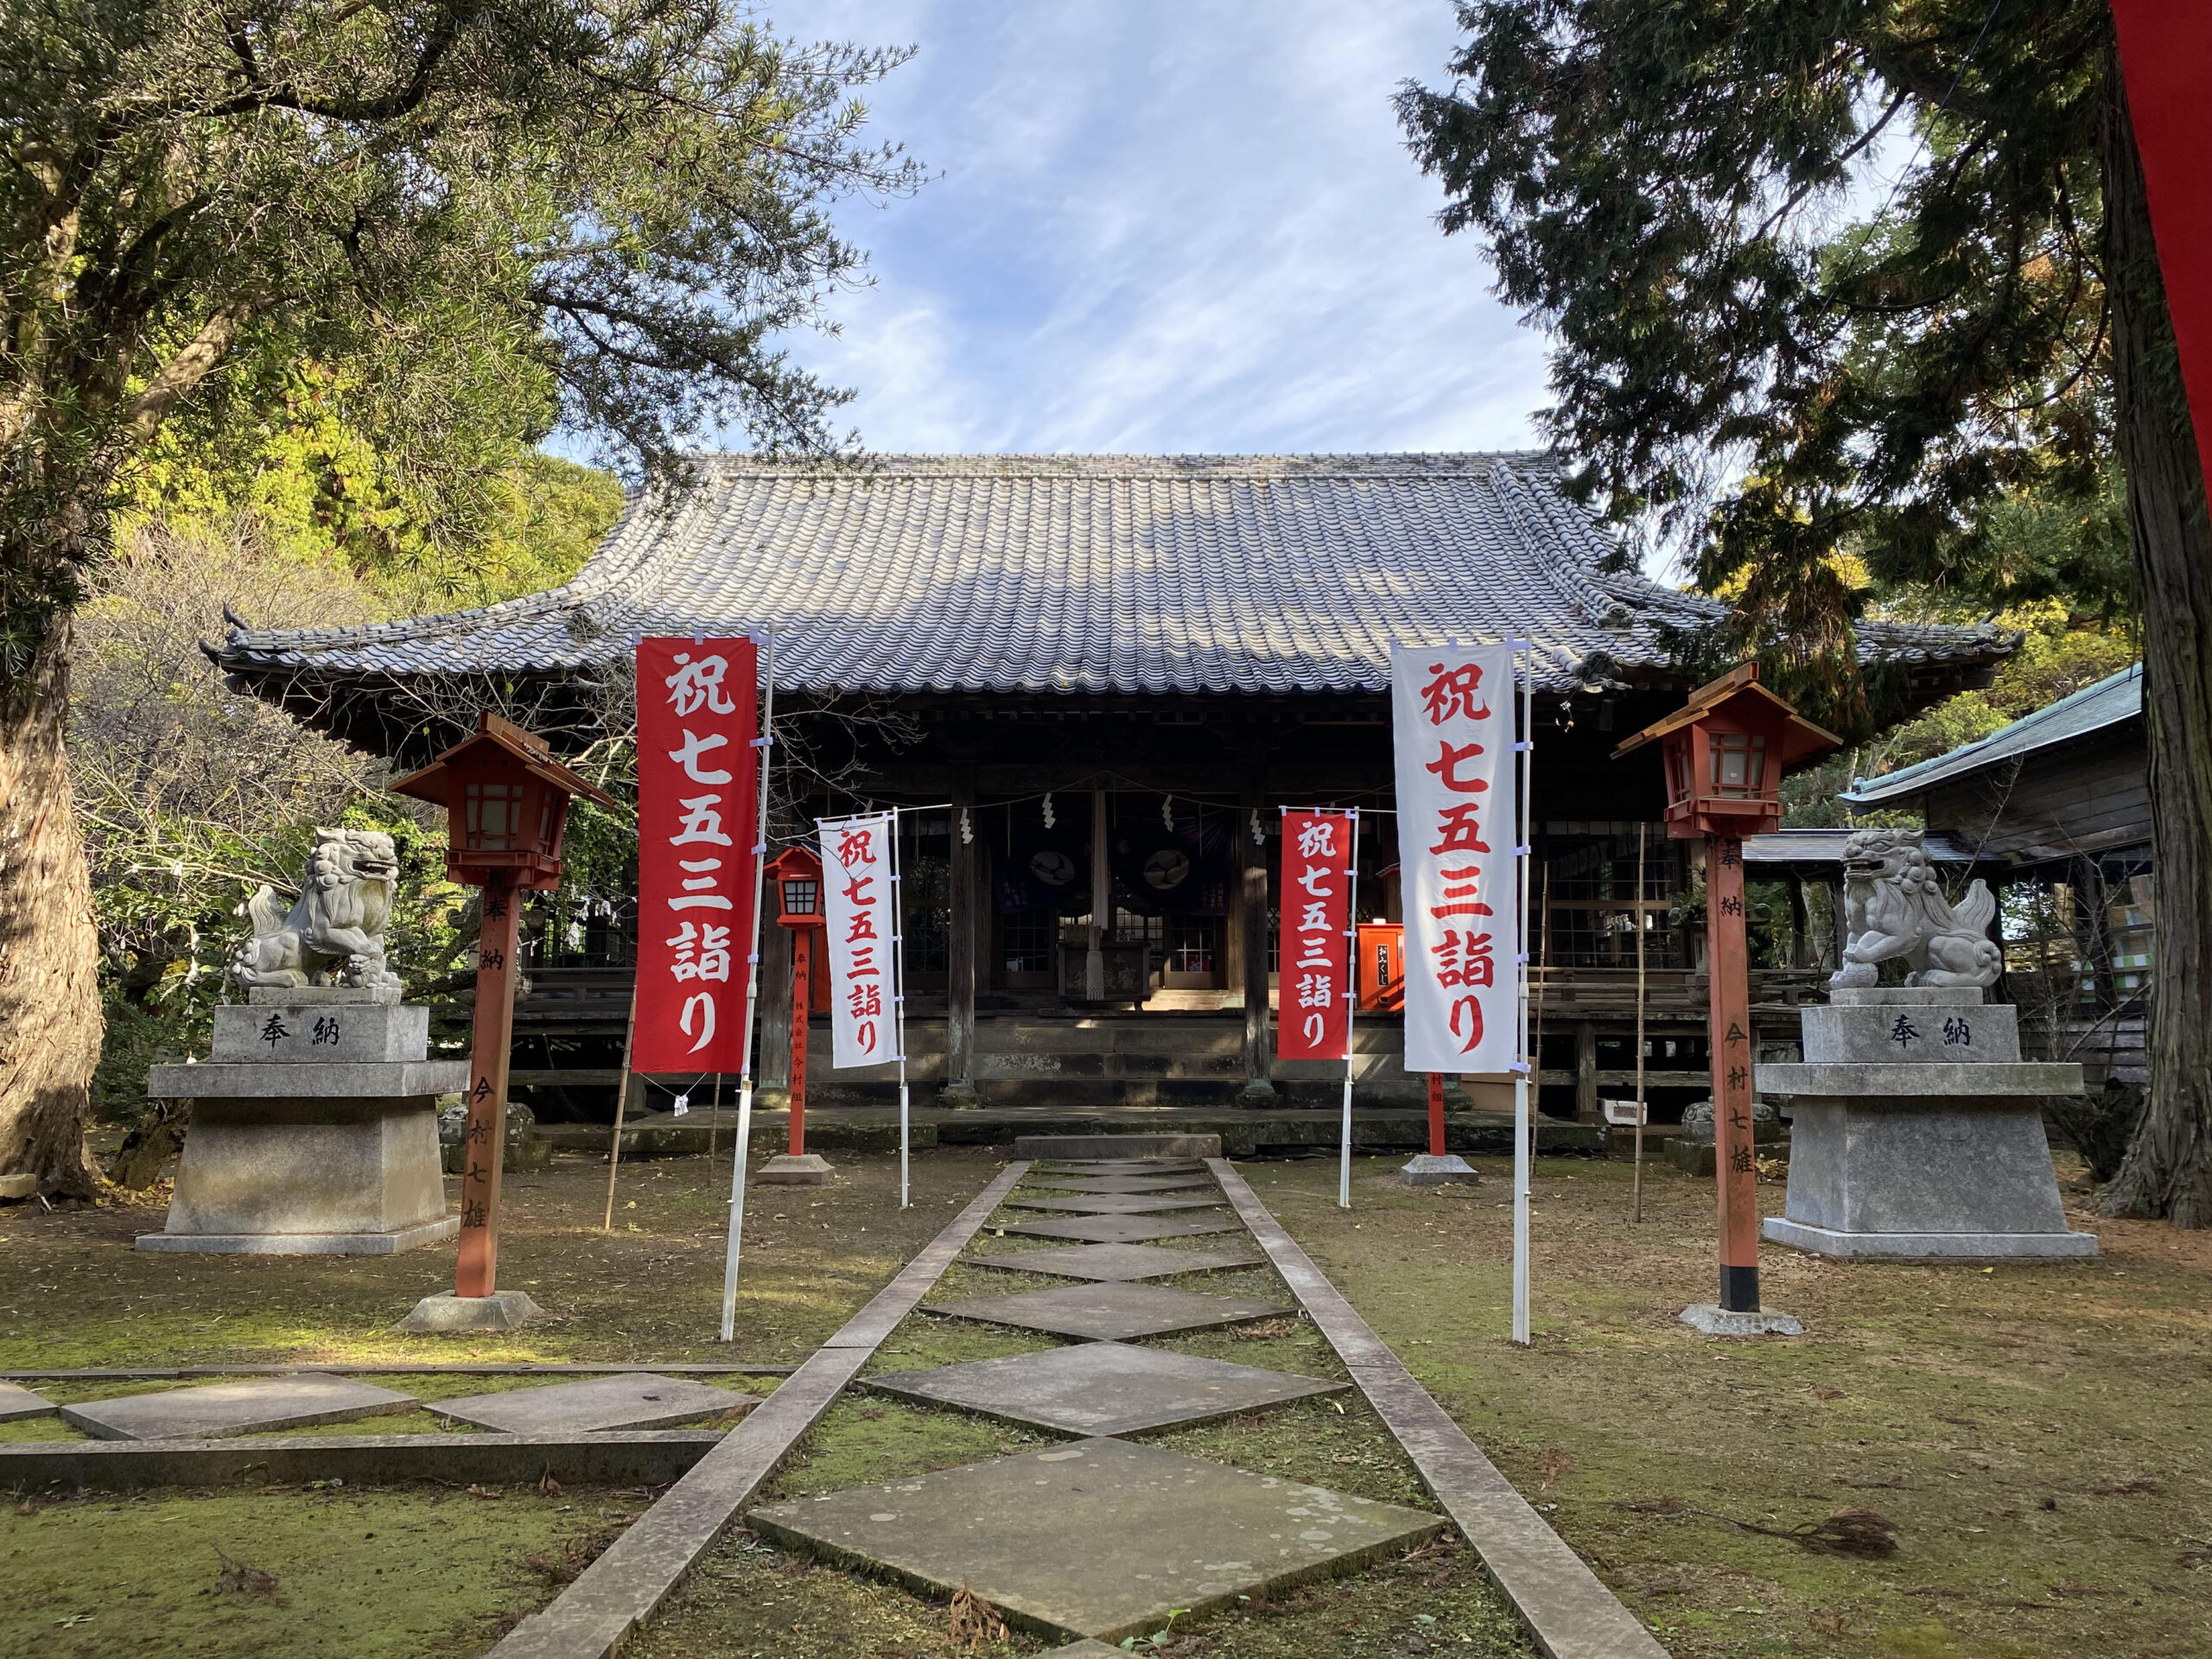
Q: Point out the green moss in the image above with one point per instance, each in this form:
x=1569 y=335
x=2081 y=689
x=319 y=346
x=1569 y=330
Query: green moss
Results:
x=376 y=1573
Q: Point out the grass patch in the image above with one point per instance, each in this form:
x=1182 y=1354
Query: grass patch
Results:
x=395 y=1573
x=2031 y=1430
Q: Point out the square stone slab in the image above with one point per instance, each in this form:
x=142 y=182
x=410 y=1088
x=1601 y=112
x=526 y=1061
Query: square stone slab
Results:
x=1102 y=1538
x=1103 y=1388
x=220 y=1409
x=17 y=1402
x=1112 y=1313
x=1113 y=1204
x=1123 y=1184
x=633 y=1400
x=1124 y=1229
x=1119 y=1262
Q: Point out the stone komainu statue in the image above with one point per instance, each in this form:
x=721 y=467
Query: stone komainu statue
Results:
x=333 y=934
x=1896 y=907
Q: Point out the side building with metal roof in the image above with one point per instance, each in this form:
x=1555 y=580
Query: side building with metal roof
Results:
x=2055 y=811
x=1152 y=652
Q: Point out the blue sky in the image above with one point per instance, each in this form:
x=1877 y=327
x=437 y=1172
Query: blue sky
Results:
x=1172 y=227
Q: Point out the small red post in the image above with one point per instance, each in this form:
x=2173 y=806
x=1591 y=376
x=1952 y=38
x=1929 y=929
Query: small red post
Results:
x=479 y=1270
x=1728 y=964
x=802 y=1000
x=1435 y=1115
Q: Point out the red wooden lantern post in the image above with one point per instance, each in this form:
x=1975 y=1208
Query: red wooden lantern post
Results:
x=1724 y=755
x=506 y=799
x=797 y=875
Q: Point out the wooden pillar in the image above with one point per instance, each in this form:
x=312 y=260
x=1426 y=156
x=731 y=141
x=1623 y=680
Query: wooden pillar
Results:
x=477 y=1272
x=1251 y=853
x=1585 y=1072
x=1730 y=1026
x=1839 y=920
x=960 y=948
x=1102 y=903
x=802 y=1005
x=775 y=1005
x=1800 y=923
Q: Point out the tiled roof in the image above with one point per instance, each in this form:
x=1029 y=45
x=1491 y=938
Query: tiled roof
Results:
x=2110 y=702
x=1098 y=574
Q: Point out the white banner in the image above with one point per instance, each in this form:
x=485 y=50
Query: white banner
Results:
x=858 y=864
x=1451 y=726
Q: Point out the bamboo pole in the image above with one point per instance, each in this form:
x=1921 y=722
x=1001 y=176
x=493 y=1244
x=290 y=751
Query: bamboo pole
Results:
x=621 y=1100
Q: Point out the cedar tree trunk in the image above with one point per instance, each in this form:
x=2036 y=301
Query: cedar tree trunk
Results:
x=2168 y=1170
x=50 y=948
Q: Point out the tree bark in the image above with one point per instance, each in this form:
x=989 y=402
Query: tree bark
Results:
x=2168 y=1169
x=50 y=1023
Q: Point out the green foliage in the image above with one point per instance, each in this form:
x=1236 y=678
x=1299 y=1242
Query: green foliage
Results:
x=2055 y=660
x=1749 y=360
x=290 y=451
x=477 y=220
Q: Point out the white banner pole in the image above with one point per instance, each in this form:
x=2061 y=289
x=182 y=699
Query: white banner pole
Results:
x=1351 y=1007
x=898 y=994
x=766 y=742
x=1523 y=1126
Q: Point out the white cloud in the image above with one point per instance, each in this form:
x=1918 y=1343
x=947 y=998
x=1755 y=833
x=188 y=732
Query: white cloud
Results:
x=1178 y=227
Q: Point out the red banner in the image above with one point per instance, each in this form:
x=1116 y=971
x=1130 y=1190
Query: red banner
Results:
x=1313 y=1013
x=698 y=808
x=2166 y=52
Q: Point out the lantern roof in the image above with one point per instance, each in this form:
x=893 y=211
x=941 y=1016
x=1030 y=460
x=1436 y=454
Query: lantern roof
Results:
x=503 y=736
x=797 y=859
x=1740 y=694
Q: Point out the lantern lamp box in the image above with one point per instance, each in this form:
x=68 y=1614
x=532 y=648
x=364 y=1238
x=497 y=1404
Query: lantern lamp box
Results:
x=508 y=801
x=1724 y=752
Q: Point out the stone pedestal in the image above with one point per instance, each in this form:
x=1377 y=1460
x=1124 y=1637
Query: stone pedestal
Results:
x=314 y=1130
x=1918 y=1131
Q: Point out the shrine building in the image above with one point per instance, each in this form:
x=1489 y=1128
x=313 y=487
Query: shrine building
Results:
x=1095 y=679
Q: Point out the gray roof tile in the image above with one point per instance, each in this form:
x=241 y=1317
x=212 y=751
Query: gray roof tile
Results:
x=1122 y=573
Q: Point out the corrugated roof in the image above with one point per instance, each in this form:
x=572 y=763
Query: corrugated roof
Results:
x=1099 y=574
x=2110 y=702
x=1826 y=846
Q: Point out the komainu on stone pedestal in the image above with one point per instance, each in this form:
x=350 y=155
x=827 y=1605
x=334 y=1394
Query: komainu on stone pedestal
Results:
x=1895 y=907
x=313 y=1129
x=333 y=933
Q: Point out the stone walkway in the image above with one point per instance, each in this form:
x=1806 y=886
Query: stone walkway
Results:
x=1103 y=1536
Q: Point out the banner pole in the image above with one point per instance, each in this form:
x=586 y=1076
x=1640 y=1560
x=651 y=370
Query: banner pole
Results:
x=766 y=740
x=1523 y=1128
x=1352 y=1007
x=622 y=1094
x=898 y=997
x=1639 y=1021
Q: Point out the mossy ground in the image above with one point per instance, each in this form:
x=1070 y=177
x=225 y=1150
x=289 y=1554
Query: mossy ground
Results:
x=446 y=1569
x=2034 y=1431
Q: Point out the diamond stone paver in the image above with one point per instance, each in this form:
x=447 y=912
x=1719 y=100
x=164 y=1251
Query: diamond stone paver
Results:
x=1126 y=1184
x=1113 y=1203
x=1119 y=1262
x=1102 y=1538
x=1123 y=1166
x=1124 y=1229
x=220 y=1409
x=634 y=1400
x=1113 y=1312
x=1103 y=1388
x=17 y=1402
